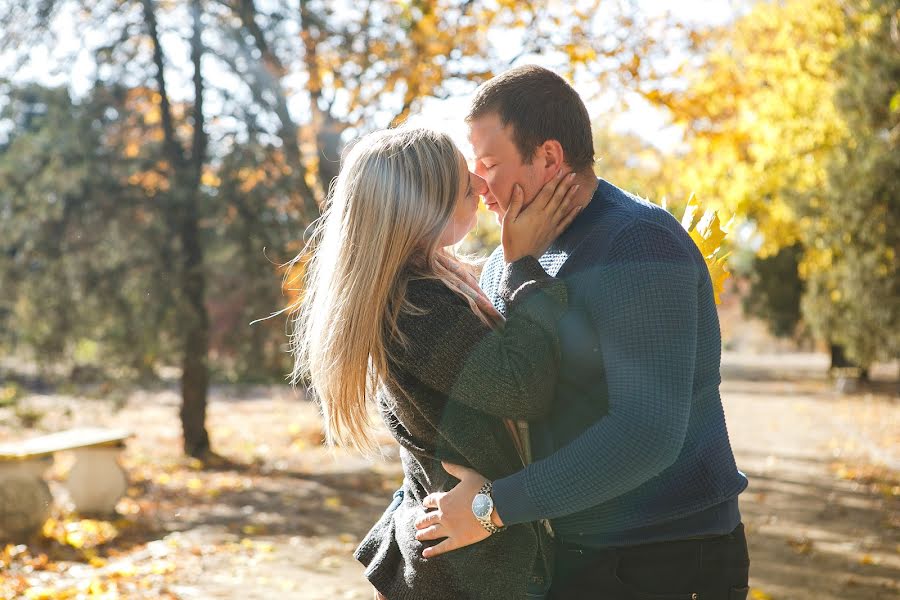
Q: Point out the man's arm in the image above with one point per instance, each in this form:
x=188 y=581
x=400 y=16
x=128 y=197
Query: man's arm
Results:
x=643 y=302
x=644 y=305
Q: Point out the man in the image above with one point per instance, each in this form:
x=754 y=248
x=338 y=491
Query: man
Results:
x=634 y=467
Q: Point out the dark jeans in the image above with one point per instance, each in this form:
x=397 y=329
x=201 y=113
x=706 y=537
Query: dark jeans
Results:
x=703 y=569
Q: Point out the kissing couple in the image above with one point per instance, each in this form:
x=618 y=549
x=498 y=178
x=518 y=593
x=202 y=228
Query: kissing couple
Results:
x=560 y=425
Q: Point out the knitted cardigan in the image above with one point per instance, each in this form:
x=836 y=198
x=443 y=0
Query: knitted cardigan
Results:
x=456 y=380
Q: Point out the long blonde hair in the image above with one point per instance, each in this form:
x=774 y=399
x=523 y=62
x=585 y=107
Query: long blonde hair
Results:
x=381 y=227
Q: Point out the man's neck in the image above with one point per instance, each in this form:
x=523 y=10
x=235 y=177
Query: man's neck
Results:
x=588 y=182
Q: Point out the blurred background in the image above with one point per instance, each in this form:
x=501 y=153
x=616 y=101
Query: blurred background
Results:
x=161 y=160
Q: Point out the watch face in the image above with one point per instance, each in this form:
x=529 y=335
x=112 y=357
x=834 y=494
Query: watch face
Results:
x=482 y=506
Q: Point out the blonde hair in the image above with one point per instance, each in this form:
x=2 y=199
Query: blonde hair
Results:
x=381 y=227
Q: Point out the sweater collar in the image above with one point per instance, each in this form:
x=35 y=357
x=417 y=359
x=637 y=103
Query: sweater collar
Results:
x=558 y=253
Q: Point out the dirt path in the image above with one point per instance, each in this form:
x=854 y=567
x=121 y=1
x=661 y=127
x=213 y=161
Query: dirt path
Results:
x=822 y=517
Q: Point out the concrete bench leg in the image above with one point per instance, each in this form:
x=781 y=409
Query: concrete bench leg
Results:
x=25 y=498
x=96 y=481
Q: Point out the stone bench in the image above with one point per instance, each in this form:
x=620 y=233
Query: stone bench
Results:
x=95 y=483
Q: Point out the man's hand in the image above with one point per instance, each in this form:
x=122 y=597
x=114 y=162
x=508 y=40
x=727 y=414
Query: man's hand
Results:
x=452 y=517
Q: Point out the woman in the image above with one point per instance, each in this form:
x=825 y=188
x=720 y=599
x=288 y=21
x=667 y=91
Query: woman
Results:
x=391 y=317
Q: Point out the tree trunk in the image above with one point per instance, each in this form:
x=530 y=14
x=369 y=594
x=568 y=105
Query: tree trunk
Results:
x=195 y=370
x=838 y=358
x=329 y=143
x=183 y=217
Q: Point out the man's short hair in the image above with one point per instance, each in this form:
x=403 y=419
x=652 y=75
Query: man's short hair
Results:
x=539 y=105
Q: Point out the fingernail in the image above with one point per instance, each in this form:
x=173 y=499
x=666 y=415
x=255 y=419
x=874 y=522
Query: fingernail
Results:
x=572 y=175
x=576 y=187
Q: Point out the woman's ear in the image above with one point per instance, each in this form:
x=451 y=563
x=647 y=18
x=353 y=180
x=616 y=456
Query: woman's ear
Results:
x=550 y=155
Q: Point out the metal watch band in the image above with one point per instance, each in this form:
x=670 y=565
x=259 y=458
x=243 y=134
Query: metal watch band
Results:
x=486 y=489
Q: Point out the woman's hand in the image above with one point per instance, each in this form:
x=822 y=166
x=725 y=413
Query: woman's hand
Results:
x=452 y=517
x=530 y=231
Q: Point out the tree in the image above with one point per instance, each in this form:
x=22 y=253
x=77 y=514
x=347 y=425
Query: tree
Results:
x=757 y=114
x=854 y=295
x=788 y=119
x=78 y=256
x=171 y=188
x=776 y=290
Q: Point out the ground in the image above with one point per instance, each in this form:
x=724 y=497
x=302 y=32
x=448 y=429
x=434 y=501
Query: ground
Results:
x=822 y=511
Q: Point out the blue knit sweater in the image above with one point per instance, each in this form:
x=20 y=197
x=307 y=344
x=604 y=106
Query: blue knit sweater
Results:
x=636 y=449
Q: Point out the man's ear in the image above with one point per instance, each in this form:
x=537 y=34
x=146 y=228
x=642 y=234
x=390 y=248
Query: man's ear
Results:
x=550 y=158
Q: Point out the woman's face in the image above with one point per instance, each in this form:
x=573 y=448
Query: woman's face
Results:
x=471 y=188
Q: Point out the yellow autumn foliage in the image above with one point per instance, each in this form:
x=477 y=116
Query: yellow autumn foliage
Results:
x=707 y=232
x=758 y=114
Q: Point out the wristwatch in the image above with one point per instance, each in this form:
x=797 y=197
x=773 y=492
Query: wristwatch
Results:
x=483 y=508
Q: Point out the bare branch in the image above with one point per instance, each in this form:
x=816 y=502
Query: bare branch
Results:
x=200 y=139
x=173 y=148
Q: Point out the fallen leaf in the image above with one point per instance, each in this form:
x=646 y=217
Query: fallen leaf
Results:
x=868 y=559
x=801 y=545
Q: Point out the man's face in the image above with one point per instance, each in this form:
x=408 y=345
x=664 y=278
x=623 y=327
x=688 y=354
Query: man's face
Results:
x=499 y=163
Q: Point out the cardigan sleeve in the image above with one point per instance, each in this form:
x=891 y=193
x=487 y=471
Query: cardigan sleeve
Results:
x=643 y=299
x=509 y=372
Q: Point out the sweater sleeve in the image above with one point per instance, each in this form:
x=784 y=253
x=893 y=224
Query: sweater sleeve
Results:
x=507 y=372
x=643 y=301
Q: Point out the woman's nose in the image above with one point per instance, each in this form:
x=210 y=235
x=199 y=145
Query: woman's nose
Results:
x=479 y=185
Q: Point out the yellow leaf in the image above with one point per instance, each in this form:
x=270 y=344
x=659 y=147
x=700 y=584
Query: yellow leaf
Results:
x=756 y=594
x=39 y=593
x=718 y=273
x=708 y=234
x=124 y=569
x=161 y=567
x=332 y=502
x=94 y=560
x=867 y=559
x=96 y=588
x=690 y=213
x=153 y=116
x=210 y=179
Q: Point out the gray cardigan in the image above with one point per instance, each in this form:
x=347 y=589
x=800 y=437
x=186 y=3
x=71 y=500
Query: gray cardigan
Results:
x=457 y=380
